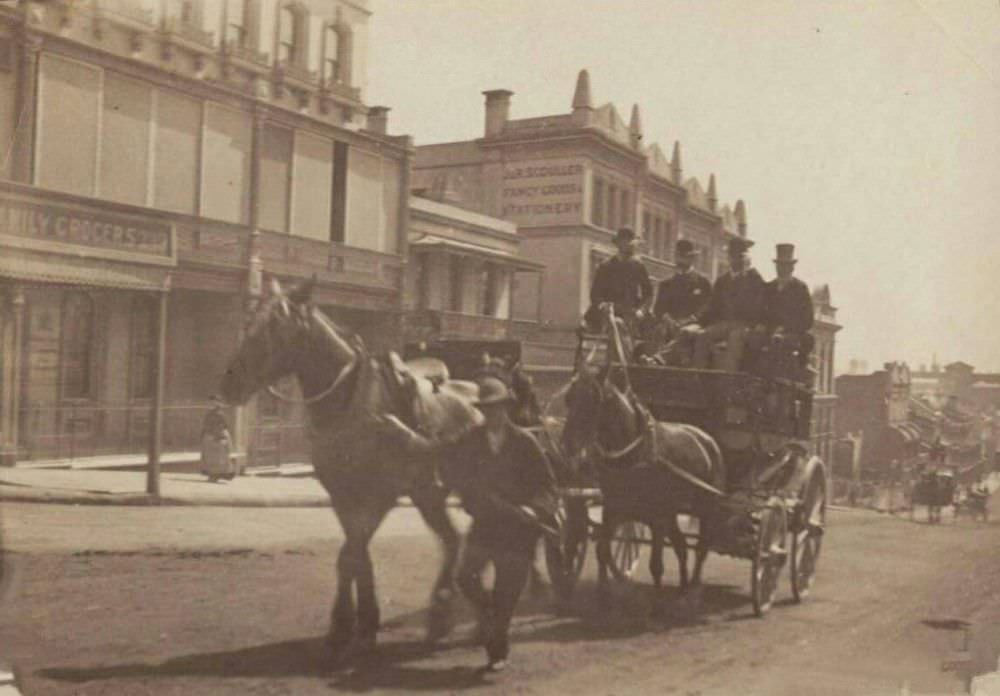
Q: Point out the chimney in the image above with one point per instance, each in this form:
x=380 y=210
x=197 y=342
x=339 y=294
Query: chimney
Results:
x=635 y=128
x=497 y=110
x=741 y=217
x=583 y=108
x=676 y=169
x=713 y=197
x=378 y=119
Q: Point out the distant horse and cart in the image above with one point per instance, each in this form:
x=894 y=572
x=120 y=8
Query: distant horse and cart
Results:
x=644 y=444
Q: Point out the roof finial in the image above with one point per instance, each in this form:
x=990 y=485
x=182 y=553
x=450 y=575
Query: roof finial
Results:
x=712 y=197
x=582 y=106
x=635 y=128
x=676 y=168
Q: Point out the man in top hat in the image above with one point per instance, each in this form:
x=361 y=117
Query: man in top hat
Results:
x=621 y=281
x=508 y=488
x=734 y=308
x=681 y=298
x=788 y=308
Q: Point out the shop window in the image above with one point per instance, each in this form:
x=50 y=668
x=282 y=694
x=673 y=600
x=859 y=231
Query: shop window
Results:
x=66 y=152
x=275 y=178
x=76 y=346
x=142 y=355
x=331 y=55
x=597 y=203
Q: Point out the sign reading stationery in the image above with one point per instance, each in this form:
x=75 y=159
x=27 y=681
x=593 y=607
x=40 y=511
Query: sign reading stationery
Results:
x=32 y=222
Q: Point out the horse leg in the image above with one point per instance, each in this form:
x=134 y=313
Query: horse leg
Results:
x=364 y=580
x=679 y=543
x=656 y=568
x=431 y=501
x=603 y=548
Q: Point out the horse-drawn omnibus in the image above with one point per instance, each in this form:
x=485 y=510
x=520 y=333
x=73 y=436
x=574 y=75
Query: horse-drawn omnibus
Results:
x=728 y=450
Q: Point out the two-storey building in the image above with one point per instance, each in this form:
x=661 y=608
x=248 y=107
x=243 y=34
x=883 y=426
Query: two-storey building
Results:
x=158 y=160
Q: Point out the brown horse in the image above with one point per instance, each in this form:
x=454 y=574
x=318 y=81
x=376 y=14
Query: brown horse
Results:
x=648 y=472
x=348 y=393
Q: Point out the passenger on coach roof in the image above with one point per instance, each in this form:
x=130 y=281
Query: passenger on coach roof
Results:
x=621 y=281
x=735 y=308
x=684 y=296
x=788 y=309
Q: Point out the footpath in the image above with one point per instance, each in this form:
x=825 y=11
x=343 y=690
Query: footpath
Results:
x=116 y=487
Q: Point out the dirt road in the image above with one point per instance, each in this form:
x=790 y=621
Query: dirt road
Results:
x=234 y=601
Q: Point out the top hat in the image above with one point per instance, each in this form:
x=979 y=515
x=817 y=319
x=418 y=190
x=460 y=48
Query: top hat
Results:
x=785 y=253
x=739 y=245
x=685 y=247
x=492 y=391
x=625 y=234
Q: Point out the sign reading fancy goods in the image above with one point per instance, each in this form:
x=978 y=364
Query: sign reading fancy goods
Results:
x=48 y=226
x=547 y=192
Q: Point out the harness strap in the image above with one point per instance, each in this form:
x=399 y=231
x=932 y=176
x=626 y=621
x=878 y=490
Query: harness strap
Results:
x=344 y=373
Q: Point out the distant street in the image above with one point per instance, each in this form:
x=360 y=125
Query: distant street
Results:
x=189 y=600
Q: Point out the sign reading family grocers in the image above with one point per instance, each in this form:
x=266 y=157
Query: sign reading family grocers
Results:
x=47 y=223
x=543 y=192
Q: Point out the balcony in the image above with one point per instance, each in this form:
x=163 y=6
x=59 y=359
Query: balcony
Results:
x=176 y=30
x=127 y=10
x=286 y=71
x=341 y=90
x=232 y=49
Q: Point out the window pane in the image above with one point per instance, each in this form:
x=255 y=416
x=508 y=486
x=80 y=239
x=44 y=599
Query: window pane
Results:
x=77 y=332
x=330 y=48
x=391 y=191
x=275 y=168
x=125 y=140
x=313 y=185
x=364 y=189
x=175 y=162
x=612 y=206
x=286 y=35
x=67 y=125
x=226 y=182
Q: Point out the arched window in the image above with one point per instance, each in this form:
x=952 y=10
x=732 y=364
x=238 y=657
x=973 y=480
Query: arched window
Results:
x=289 y=33
x=143 y=347
x=331 y=55
x=76 y=341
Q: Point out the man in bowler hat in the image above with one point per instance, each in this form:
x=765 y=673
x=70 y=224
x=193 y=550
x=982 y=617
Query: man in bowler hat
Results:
x=736 y=307
x=681 y=298
x=788 y=308
x=621 y=281
x=508 y=489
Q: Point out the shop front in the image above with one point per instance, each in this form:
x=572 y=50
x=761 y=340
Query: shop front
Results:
x=83 y=290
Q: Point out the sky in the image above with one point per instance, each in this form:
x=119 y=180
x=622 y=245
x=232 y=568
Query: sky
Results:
x=866 y=133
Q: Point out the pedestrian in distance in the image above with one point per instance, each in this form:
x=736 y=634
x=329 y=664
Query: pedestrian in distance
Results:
x=507 y=487
x=216 y=444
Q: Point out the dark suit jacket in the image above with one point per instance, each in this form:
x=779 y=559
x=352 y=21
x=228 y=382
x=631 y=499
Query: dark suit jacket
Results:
x=623 y=282
x=519 y=474
x=738 y=298
x=683 y=295
x=790 y=308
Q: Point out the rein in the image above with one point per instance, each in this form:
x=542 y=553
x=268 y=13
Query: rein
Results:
x=344 y=373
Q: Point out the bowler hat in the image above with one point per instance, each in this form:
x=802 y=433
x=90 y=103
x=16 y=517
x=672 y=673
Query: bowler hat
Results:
x=785 y=253
x=492 y=391
x=685 y=247
x=739 y=245
x=625 y=234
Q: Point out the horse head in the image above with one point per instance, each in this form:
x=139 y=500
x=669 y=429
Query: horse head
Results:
x=598 y=411
x=287 y=336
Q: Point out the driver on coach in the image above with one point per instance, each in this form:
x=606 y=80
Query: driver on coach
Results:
x=621 y=281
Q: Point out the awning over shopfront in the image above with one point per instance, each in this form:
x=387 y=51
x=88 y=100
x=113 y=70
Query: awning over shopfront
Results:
x=66 y=270
x=432 y=242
